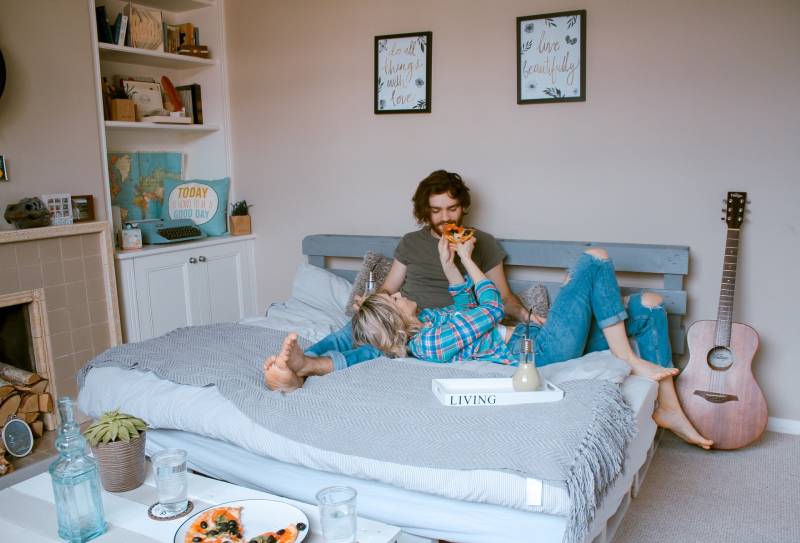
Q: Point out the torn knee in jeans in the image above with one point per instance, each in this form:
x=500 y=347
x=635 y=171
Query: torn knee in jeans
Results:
x=596 y=252
x=651 y=300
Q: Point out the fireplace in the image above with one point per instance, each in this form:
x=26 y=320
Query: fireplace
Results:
x=16 y=346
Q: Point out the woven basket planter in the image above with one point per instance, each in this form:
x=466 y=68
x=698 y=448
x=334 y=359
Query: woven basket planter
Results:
x=121 y=464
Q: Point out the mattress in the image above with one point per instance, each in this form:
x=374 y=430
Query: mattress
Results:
x=226 y=444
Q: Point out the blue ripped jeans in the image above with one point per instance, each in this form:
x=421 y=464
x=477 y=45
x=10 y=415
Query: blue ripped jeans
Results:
x=587 y=303
x=339 y=347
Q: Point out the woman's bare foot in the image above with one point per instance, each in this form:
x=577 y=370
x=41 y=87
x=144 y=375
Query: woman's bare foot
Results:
x=297 y=361
x=279 y=377
x=675 y=420
x=643 y=368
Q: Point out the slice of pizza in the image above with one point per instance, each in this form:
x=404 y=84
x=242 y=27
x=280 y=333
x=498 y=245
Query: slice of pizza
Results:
x=285 y=535
x=217 y=525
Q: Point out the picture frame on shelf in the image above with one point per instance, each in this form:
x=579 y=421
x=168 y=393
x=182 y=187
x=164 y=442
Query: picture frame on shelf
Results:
x=146 y=96
x=83 y=208
x=403 y=73
x=551 y=57
x=60 y=207
x=192 y=101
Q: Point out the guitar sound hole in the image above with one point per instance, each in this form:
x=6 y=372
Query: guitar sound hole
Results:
x=720 y=358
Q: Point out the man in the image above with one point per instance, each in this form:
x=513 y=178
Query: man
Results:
x=440 y=199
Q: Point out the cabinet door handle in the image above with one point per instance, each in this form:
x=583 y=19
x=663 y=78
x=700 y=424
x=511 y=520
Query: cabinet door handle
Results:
x=202 y=259
x=192 y=260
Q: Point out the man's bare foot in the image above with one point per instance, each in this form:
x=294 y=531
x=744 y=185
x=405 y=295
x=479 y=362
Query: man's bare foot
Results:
x=675 y=420
x=279 y=377
x=297 y=361
x=643 y=368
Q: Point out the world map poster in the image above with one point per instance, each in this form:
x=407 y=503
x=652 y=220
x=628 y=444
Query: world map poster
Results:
x=137 y=182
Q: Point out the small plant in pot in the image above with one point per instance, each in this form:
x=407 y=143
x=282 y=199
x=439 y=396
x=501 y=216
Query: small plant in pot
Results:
x=117 y=442
x=240 y=218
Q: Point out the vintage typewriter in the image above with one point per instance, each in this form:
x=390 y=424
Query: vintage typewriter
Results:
x=156 y=231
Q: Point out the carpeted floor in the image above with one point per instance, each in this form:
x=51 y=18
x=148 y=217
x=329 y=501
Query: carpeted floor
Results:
x=691 y=495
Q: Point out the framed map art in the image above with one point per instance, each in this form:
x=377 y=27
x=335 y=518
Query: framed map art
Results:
x=551 y=57
x=403 y=73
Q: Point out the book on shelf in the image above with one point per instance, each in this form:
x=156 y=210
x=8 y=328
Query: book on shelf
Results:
x=120 y=29
x=192 y=103
x=103 y=28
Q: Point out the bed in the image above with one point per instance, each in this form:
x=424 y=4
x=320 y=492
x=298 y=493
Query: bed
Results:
x=430 y=504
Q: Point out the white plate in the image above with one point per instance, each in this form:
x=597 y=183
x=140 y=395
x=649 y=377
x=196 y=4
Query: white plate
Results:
x=258 y=516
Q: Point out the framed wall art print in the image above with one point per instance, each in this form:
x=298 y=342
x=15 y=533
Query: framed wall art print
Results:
x=403 y=73
x=551 y=57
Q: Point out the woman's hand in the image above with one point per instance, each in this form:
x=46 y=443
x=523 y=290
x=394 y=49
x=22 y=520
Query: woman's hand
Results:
x=447 y=255
x=465 y=249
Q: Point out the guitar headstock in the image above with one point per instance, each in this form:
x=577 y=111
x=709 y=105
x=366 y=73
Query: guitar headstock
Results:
x=734 y=210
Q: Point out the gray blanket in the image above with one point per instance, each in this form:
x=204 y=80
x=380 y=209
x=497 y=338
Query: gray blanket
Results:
x=385 y=410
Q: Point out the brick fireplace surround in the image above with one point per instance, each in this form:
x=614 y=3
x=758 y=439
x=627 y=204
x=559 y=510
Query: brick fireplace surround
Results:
x=67 y=274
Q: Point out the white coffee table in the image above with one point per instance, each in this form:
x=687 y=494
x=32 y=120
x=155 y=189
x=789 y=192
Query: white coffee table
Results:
x=27 y=513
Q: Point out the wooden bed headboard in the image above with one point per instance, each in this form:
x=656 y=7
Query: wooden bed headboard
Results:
x=668 y=263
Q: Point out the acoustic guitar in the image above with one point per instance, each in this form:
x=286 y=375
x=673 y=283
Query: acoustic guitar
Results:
x=717 y=389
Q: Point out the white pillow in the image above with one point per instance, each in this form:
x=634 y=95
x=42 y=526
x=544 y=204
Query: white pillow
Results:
x=321 y=289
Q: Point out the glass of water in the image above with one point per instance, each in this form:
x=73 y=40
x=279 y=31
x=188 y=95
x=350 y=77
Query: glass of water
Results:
x=169 y=466
x=337 y=512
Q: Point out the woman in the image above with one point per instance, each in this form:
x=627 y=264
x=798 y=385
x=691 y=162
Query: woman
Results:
x=588 y=315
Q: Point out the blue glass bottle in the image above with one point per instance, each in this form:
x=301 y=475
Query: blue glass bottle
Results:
x=76 y=482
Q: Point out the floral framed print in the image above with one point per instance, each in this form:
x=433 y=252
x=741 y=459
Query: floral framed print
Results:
x=551 y=57
x=403 y=73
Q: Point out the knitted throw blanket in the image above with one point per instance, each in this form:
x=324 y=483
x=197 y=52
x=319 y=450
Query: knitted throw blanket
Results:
x=385 y=410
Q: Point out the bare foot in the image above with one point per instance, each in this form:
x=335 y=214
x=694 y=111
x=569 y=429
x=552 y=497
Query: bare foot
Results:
x=675 y=421
x=297 y=361
x=643 y=368
x=277 y=376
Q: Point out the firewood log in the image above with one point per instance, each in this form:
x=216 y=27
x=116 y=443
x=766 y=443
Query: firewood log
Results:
x=45 y=403
x=5 y=466
x=31 y=417
x=40 y=387
x=29 y=404
x=6 y=388
x=18 y=375
x=9 y=407
x=50 y=421
x=37 y=427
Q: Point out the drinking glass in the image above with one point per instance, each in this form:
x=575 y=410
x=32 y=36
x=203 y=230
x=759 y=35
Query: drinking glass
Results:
x=337 y=512
x=169 y=466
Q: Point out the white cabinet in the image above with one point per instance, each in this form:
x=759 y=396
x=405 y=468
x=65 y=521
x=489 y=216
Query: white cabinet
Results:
x=203 y=282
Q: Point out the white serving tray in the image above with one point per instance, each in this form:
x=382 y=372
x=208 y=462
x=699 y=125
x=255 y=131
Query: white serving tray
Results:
x=482 y=392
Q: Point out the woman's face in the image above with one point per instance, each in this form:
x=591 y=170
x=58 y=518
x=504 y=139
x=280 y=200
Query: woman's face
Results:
x=406 y=306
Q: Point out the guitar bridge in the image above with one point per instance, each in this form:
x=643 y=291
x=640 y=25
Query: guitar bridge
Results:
x=716 y=397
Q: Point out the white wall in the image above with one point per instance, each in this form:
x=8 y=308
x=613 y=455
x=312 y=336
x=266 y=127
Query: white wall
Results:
x=48 y=113
x=686 y=101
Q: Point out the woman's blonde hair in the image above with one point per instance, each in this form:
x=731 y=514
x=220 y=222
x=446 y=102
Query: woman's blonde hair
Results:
x=380 y=323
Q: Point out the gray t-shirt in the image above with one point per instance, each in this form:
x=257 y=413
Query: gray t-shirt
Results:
x=425 y=281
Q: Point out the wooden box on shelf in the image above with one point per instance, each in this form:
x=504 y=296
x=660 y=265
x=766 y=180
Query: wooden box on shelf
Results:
x=123 y=109
x=240 y=225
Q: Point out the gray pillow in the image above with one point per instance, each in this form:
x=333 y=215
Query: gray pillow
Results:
x=535 y=297
x=380 y=266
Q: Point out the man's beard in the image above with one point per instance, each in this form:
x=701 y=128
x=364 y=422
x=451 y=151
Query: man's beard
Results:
x=438 y=227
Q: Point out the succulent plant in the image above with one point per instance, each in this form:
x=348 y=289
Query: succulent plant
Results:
x=114 y=426
x=240 y=208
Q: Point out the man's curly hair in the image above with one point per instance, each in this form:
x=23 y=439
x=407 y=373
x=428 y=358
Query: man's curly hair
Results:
x=439 y=182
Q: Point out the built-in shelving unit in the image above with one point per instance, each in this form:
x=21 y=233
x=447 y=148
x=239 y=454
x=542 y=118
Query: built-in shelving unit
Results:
x=124 y=125
x=144 y=57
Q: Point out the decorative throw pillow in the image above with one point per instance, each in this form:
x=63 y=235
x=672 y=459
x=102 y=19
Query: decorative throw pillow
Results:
x=535 y=297
x=203 y=201
x=379 y=265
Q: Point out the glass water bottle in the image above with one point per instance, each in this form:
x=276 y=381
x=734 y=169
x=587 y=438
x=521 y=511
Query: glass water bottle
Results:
x=526 y=378
x=369 y=288
x=76 y=482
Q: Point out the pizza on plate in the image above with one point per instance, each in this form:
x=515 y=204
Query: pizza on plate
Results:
x=217 y=525
x=285 y=535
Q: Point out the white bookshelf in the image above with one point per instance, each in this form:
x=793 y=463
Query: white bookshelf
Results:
x=144 y=57
x=164 y=127
x=176 y=6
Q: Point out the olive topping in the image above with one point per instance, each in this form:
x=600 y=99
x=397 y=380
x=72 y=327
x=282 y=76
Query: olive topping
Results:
x=212 y=532
x=280 y=532
x=204 y=525
x=301 y=526
x=197 y=539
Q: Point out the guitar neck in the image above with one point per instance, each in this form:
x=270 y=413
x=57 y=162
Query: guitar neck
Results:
x=727 y=288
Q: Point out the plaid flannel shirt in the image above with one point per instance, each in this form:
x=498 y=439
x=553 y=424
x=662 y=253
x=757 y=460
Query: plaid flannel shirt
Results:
x=464 y=330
